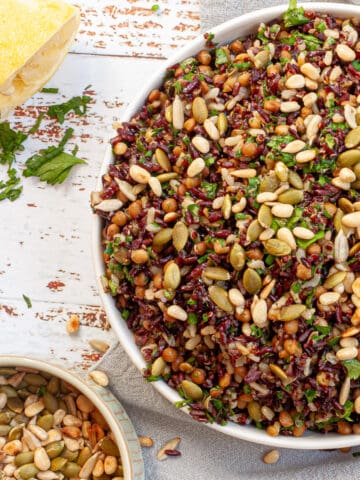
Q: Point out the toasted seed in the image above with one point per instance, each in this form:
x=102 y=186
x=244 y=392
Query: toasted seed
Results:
x=178 y=113
x=99 y=345
x=54 y=449
x=139 y=174
x=23 y=458
x=12 y=448
x=356 y=287
x=34 y=408
x=295 y=81
x=328 y=298
x=226 y=207
x=282 y=171
x=277 y=247
x=126 y=189
x=310 y=71
x=71 y=470
x=295 y=180
x=166 y=177
x=222 y=123
x=261 y=59
x=303 y=233
x=291 y=196
x=220 y=297
x=146 y=441
x=347 y=175
x=41 y=460
x=216 y=273
x=259 y=313
x=180 y=235
x=253 y=231
x=177 y=312
x=109 y=447
x=158 y=367
x=352 y=139
x=288 y=107
x=294 y=147
x=237 y=257
x=50 y=402
x=172 y=276
x=309 y=99
x=344 y=391
x=169 y=446
x=192 y=390
x=3 y=400
x=4 y=430
x=282 y=210
x=162 y=159
x=196 y=167
x=84 y=404
x=211 y=130
x=265 y=216
x=200 y=110
x=344 y=52
x=341 y=247
x=348 y=158
x=305 y=156
x=57 y=463
x=334 y=280
x=244 y=173
x=347 y=353
x=28 y=471
x=271 y=457
x=110 y=205
x=351 y=220
x=236 y=297
x=291 y=312
x=251 y=281
x=201 y=144
x=163 y=236
x=99 y=377
x=254 y=411
x=39 y=432
x=15 y=404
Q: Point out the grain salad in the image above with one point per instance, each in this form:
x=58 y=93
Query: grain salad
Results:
x=231 y=227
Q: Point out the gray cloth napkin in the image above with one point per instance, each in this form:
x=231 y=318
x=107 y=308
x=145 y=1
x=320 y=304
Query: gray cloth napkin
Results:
x=213 y=12
x=206 y=454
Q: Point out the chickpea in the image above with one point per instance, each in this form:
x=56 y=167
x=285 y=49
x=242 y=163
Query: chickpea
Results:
x=140 y=292
x=175 y=366
x=244 y=79
x=198 y=376
x=272 y=70
x=200 y=248
x=157 y=280
x=135 y=209
x=119 y=218
x=344 y=428
x=236 y=46
x=356 y=429
x=139 y=256
x=282 y=129
x=291 y=327
x=298 y=431
x=225 y=380
x=292 y=347
x=272 y=105
x=300 y=125
x=285 y=419
x=302 y=272
x=189 y=124
x=254 y=122
x=169 y=354
x=244 y=317
x=204 y=57
x=313 y=249
x=120 y=148
x=249 y=149
x=305 y=111
x=112 y=230
x=285 y=54
x=273 y=430
x=154 y=95
x=319 y=290
x=169 y=205
x=255 y=254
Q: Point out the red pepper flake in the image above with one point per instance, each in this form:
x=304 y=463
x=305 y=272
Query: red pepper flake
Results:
x=55 y=285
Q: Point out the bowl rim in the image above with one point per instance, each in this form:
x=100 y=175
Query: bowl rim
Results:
x=223 y=32
x=101 y=398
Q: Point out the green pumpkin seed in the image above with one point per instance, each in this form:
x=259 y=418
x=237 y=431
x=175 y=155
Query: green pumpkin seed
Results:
x=222 y=123
x=109 y=447
x=10 y=392
x=251 y=281
x=50 y=402
x=4 y=430
x=295 y=180
x=216 y=273
x=253 y=231
x=162 y=159
x=352 y=139
x=254 y=411
x=180 y=235
x=192 y=390
x=24 y=458
x=162 y=237
x=291 y=196
x=357 y=170
x=35 y=380
x=84 y=455
x=71 y=470
x=16 y=432
x=166 y=177
x=172 y=276
x=269 y=183
x=5 y=417
x=348 y=158
x=220 y=297
x=345 y=205
x=237 y=257
x=265 y=217
x=54 y=449
x=276 y=247
x=354 y=249
x=45 y=422
x=356 y=185
x=8 y=371
x=28 y=471
x=69 y=455
x=291 y=312
x=200 y=110
x=58 y=463
x=334 y=280
x=337 y=219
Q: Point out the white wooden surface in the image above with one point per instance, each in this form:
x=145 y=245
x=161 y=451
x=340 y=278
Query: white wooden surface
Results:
x=45 y=250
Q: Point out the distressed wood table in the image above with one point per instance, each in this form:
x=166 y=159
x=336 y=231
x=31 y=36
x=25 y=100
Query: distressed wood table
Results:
x=45 y=247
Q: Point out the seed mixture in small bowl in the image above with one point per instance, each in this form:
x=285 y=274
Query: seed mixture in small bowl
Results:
x=54 y=427
x=230 y=216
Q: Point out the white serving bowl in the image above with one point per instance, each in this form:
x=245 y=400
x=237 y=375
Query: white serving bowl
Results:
x=237 y=27
x=105 y=402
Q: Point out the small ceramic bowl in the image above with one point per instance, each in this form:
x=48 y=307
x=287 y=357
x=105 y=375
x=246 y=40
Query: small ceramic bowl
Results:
x=240 y=26
x=105 y=402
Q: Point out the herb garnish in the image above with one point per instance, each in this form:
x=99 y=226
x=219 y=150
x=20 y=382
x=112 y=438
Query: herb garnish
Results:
x=353 y=368
x=77 y=104
x=295 y=16
x=27 y=301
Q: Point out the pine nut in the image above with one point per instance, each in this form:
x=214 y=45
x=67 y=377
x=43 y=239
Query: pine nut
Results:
x=347 y=353
x=329 y=298
x=271 y=457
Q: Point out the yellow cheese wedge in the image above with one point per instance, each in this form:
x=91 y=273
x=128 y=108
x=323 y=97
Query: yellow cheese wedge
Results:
x=35 y=36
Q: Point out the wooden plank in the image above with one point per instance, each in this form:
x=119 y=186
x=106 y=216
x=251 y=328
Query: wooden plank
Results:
x=132 y=28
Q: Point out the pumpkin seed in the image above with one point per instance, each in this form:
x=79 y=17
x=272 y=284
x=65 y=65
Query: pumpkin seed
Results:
x=163 y=237
x=192 y=390
x=162 y=159
x=109 y=447
x=54 y=449
x=253 y=231
x=220 y=297
x=180 y=235
x=84 y=455
x=345 y=205
x=254 y=411
x=269 y=183
x=352 y=139
x=348 y=158
x=199 y=110
x=222 y=123
x=265 y=217
x=23 y=458
x=291 y=312
x=45 y=422
x=216 y=273
x=71 y=470
x=57 y=463
x=28 y=471
x=15 y=404
x=50 y=402
x=172 y=276
x=291 y=196
x=4 y=430
x=251 y=281
x=166 y=177
x=295 y=180
x=334 y=279
x=276 y=247
x=237 y=257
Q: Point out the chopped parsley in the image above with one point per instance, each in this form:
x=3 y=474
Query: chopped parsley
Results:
x=76 y=104
x=155 y=7
x=310 y=394
x=356 y=65
x=352 y=367
x=50 y=90
x=294 y=16
x=27 y=301
x=209 y=189
x=220 y=56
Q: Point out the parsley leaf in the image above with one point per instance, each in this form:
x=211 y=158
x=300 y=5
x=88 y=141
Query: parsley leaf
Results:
x=353 y=368
x=220 y=56
x=209 y=189
x=50 y=90
x=294 y=16
x=310 y=394
x=77 y=104
x=356 y=65
x=27 y=301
